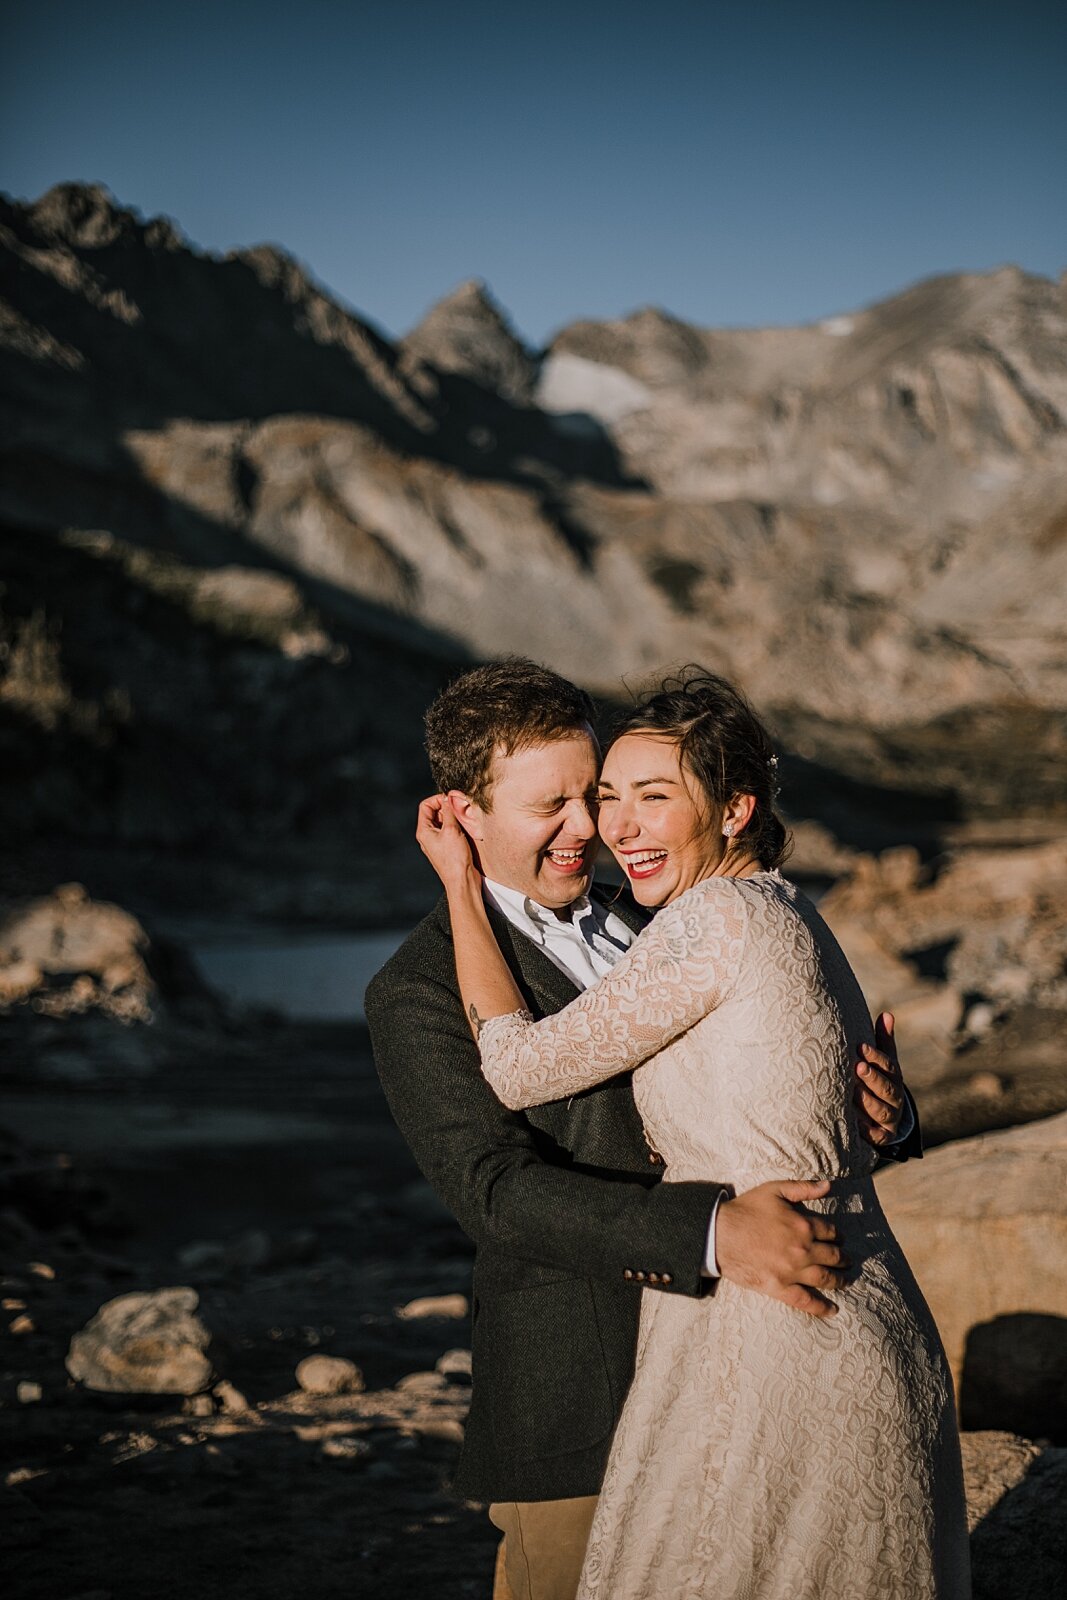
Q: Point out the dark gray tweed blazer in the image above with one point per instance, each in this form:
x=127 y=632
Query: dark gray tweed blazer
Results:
x=559 y=1200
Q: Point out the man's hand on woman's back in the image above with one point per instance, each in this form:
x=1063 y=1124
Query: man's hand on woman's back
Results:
x=765 y=1240
x=879 y=1091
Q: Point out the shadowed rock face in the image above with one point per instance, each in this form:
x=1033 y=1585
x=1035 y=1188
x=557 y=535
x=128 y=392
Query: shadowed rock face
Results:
x=864 y=521
x=194 y=735
x=1018 y=1540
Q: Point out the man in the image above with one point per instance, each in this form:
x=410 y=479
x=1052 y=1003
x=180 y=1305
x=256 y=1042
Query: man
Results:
x=564 y=1201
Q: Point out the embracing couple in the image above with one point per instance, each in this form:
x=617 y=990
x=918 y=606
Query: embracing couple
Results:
x=702 y=1367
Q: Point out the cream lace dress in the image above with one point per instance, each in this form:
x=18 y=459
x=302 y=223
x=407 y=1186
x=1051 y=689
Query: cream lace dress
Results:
x=761 y=1454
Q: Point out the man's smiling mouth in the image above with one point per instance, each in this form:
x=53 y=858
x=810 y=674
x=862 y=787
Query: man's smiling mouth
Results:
x=567 y=860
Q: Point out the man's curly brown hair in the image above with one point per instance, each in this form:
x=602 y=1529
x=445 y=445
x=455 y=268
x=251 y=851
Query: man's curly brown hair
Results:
x=498 y=709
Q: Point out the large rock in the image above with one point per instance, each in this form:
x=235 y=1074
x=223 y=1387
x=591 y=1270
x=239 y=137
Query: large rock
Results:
x=150 y=1343
x=971 y=955
x=434 y=1305
x=76 y=954
x=1016 y=1494
x=984 y=1226
x=322 y=1374
x=989 y=923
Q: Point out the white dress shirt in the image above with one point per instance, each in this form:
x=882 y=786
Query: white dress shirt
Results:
x=585 y=942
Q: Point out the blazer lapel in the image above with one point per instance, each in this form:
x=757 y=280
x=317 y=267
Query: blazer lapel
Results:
x=621 y=904
x=552 y=988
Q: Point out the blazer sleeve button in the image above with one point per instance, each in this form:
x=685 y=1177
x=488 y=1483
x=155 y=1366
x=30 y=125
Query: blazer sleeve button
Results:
x=653 y=1277
x=666 y=1277
x=627 y=1272
x=640 y=1276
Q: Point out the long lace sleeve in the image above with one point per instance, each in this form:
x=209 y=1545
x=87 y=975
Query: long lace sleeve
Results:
x=683 y=965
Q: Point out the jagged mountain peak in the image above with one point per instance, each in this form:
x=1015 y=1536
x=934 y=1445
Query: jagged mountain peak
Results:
x=468 y=332
x=473 y=294
x=87 y=216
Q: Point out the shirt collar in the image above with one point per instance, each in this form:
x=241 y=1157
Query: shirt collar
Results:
x=520 y=905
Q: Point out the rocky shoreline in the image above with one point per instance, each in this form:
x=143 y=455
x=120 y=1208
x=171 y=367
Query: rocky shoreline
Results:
x=256 y=1167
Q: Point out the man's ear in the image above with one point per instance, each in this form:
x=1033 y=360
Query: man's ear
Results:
x=468 y=813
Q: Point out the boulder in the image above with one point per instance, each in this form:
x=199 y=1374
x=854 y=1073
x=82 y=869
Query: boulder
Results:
x=230 y=1398
x=329 y=1375
x=435 y=1305
x=984 y=1226
x=455 y=1364
x=76 y=955
x=67 y=933
x=989 y=923
x=346 y=1451
x=1016 y=1491
x=146 y=1343
x=422 y=1383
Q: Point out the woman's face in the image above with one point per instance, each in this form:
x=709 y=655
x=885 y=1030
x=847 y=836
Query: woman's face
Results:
x=656 y=821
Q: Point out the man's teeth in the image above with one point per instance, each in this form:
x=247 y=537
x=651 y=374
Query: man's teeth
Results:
x=645 y=856
x=566 y=856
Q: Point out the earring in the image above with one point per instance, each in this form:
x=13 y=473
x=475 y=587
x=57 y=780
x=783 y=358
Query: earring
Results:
x=728 y=831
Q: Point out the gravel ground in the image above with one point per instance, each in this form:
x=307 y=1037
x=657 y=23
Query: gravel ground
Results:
x=274 y=1145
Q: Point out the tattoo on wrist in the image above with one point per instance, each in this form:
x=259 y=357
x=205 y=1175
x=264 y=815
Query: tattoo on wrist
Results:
x=476 y=1021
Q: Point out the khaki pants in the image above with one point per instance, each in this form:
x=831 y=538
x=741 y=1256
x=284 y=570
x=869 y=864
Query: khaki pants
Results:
x=541 y=1553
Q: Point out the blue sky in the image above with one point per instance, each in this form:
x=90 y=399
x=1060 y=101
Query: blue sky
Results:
x=737 y=163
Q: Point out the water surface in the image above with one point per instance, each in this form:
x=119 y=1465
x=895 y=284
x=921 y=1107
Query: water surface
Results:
x=309 y=977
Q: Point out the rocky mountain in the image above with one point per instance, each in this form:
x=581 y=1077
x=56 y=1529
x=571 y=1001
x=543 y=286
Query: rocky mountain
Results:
x=468 y=333
x=246 y=534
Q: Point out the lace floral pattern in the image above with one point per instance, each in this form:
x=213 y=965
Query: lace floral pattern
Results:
x=761 y=1454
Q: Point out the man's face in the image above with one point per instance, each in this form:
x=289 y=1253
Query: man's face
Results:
x=539 y=835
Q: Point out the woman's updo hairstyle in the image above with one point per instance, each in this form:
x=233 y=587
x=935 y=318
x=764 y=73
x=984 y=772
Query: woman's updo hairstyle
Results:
x=724 y=745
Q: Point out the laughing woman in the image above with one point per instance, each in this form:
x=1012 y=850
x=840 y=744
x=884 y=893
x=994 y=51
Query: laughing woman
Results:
x=760 y=1454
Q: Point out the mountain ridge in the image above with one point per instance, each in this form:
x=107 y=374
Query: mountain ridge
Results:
x=862 y=519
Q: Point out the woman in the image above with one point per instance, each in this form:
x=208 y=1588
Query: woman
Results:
x=760 y=1453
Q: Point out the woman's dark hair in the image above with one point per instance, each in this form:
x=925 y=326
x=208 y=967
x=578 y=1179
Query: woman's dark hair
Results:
x=724 y=745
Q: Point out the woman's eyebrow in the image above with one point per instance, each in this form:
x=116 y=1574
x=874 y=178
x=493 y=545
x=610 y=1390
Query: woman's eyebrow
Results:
x=639 y=783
